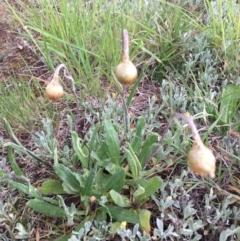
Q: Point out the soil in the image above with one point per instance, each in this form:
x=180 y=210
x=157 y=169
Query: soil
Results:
x=18 y=57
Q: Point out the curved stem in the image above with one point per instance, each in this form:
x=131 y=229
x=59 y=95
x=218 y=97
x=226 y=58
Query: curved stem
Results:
x=57 y=70
x=125 y=45
x=191 y=124
x=68 y=76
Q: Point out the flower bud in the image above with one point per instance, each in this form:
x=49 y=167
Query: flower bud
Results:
x=126 y=72
x=54 y=89
x=92 y=199
x=201 y=160
x=123 y=224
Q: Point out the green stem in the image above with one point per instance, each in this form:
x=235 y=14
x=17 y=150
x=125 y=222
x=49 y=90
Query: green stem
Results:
x=125 y=109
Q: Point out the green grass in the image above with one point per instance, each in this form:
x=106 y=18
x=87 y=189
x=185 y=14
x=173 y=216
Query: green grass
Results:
x=223 y=29
x=23 y=105
x=195 y=63
x=86 y=37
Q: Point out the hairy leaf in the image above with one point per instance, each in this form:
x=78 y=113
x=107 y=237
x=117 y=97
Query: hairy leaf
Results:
x=137 y=140
x=120 y=200
x=83 y=157
x=116 y=181
x=112 y=141
x=13 y=162
x=68 y=177
x=46 y=208
x=144 y=220
x=51 y=187
x=151 y=187
x=133 y=162
x=122 y=214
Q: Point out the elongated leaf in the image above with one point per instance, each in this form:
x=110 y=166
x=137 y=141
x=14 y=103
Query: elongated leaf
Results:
x=137 y=140
x=112 y=141
x=116 y=181
x=89 y=182
x=105 y=182
x=101 y=179
x=18 y=146
x=46 y=208
x=22 y=149
x=10 y=132
x=229 y=102
x=27 y=189
x=51 y=187
x=68 y=177
x=79 y=150
x=151 y=187
x=140 y=190
x=133 y=162
x=94 y=137
x=144 y=220
x=13 y=162
x=121 y=214
x=147 y=148
x=102 y=152
x=120 y=200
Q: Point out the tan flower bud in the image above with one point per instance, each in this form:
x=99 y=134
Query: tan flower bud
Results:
x=92 y=199
x=201 y=160
x=54 y=89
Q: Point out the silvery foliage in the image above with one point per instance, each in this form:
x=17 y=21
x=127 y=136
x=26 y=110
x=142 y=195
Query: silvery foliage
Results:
x=220 y=220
